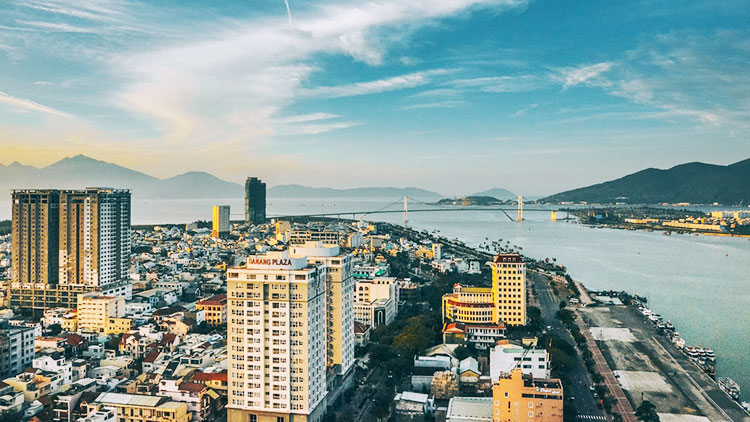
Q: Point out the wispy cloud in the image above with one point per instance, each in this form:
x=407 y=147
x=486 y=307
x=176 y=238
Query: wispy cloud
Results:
x=501 y=84
x=436 y=104
x=394 y=83
x=588 y=74
x=28 y=105
x=524 y=110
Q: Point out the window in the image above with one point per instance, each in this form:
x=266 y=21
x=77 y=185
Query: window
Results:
x=253 y=418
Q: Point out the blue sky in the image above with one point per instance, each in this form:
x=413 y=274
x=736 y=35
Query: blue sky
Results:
x=451 y=95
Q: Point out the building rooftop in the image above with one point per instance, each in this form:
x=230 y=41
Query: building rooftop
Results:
x=469 y=409
x=130 y=399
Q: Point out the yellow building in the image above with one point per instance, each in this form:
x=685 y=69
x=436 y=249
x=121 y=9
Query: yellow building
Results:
x=504 y=302
x=509 y=289
x=118 y=325
x=220 y=223
x=214 y=308
x=522 y=398
x=142 y=408
x=70 y=321
x=95 y=312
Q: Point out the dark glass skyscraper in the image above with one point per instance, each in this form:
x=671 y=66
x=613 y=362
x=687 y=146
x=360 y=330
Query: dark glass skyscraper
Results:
x=255 y=201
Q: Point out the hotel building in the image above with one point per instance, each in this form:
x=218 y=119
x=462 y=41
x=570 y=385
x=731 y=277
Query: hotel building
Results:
x=220 y=227
x=277 y=339
x=67 y=242
x=101 y=314
x=503 y=303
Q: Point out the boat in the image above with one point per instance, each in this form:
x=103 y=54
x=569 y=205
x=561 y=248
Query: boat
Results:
x=731 y=388
x=691 y=352
x=710 y=355
x=678 y=341
x=669 y=326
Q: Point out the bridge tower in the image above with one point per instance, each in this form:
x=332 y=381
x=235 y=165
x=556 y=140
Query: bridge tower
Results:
x=406 y=219
x=520 y=208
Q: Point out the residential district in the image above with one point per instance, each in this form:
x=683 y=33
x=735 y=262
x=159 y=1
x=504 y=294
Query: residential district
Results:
x=312 y=320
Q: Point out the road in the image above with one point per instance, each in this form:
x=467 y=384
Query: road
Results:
x=584 y=399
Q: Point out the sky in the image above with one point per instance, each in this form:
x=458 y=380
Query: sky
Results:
x=454 y=96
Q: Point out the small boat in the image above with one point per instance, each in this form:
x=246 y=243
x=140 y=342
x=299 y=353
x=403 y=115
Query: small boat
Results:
x=691 y=352
x=731 y=388
x=710 y=355
x=669 y=326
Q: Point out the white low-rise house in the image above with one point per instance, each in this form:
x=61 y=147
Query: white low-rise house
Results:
x=54 y=316
x=55 y=362
x=11 y=401
x=504 y=357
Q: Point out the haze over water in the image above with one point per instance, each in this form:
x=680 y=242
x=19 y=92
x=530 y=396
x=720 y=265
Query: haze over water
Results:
x=700 y=283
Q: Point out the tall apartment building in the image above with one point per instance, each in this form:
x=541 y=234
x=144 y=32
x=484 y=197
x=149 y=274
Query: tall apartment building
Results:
x=220 y=226
x=277 y=339
x=339 y=310
x=16 y=349
x=509 y=289
x=67 y=242
x=255 y=201
x=523 y=397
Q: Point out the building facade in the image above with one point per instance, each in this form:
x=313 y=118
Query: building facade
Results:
x=276 y=339
x=67 y=242
x=16 y=349
x=220 y=227
x=214 y=308
x=339 y=302
x=255 y=201
x=95 y=312
x=521 y=397
x=505 y=357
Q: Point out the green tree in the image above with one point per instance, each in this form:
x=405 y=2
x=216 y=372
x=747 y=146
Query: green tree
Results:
x=647 y=412
x=54 y=329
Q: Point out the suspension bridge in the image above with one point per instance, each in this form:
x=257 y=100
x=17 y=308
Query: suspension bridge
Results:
x=389 y=209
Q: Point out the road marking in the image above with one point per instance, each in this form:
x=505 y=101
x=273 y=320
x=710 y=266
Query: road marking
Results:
x=592 y=417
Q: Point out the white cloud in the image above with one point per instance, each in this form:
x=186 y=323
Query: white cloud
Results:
x=589 y=74
x=501 y=84
x=246 y=73
x=436 y=104
x=29 y=105
x=410 y=80
x=524 y=110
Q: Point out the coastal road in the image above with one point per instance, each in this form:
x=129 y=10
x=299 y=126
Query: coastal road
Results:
x=584 y=400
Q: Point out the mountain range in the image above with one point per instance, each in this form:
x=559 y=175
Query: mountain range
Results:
x=695 y=183
x=81 y=171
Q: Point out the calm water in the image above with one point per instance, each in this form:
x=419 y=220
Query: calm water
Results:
x=700 y=283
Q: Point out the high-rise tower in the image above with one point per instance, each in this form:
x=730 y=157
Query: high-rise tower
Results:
x=255 y=201
x=67 y=242
x=220 y=227
x=276 y=334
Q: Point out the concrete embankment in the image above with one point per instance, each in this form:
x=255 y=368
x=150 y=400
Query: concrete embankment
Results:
x=649 y=367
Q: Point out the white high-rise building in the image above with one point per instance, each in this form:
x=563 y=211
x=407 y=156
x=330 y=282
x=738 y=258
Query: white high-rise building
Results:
x=277 y=339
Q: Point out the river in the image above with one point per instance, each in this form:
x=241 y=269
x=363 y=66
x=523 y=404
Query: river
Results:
x=700 y=283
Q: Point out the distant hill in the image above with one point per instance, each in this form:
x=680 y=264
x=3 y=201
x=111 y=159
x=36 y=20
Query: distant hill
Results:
x=696 y=183
x=80 y=171
x=299 y=191
x=499 y=193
